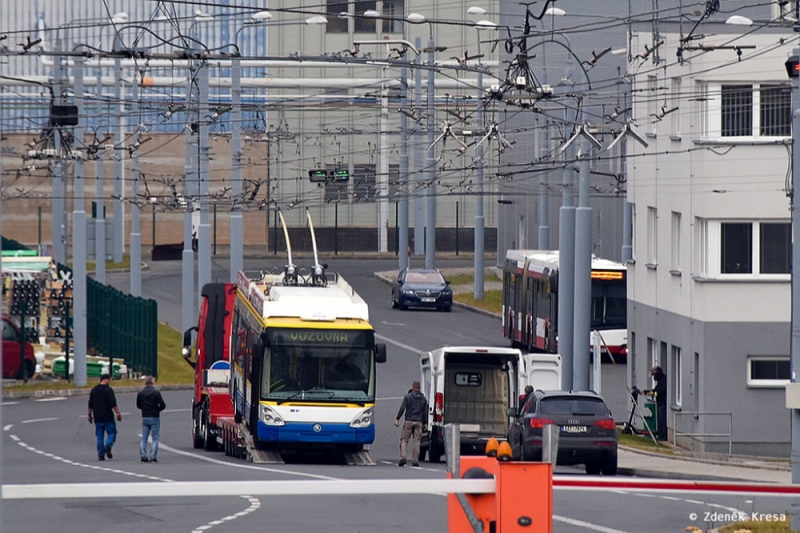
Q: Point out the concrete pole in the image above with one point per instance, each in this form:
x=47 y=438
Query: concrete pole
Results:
x=795 y=340
x=544 y=188
x=188 y=317
x=479 y=252
x=383 y=173
x=419 y=206
x=237 y=226
x=100 y=218
x=136 y=232
x=119 y=166
x=204 y=232
x=430 y=173
x=59 y=186
x=79 y=240
x=627 y=207
x=583 y=273
x=566 y=271
x=402 y=185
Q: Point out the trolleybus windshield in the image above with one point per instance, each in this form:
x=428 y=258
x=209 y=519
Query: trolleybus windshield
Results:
x=319 y=365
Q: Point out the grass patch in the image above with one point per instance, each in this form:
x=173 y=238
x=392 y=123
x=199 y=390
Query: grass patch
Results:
x=758 y=526
x=492 y=301
x=643 y=442
x=461 y=279
x=172 y=368
x=125 y=264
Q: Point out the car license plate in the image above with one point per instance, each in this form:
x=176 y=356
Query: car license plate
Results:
x=428 y=300
x=574 y=429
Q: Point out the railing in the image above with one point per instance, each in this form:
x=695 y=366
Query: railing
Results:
x=696 y=414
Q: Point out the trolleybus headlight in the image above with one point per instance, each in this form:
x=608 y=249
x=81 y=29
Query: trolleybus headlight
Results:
x=269 y=416
x=363 y=420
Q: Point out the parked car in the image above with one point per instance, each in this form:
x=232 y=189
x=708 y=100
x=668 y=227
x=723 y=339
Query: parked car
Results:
x=587 y=434
x=12 y=345
x=418 y=287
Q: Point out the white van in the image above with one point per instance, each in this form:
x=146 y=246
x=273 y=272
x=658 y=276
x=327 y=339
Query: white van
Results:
x=475 y=387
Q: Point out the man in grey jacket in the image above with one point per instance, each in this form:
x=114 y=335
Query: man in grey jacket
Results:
x=415 y=407
x=151 y=403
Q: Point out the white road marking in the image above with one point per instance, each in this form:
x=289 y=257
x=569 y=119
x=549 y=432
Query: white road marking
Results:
x=8 y=427
x=255 y=504
x=247 y=466
x=83 y=465
x=53 y=399
x=398 y=344
x=10 y=403
x=31 y=421
x=393 y=323
x=587 y=525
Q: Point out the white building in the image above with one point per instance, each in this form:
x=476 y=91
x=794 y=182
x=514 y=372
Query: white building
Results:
x=709 y=284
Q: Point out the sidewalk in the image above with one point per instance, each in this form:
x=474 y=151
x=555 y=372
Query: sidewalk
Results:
x=639 y=463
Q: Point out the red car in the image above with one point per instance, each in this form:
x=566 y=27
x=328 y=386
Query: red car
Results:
x=12 y=362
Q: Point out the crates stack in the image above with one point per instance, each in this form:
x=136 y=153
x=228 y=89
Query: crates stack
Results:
x=59 y=301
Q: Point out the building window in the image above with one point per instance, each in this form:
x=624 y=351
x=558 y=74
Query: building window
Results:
x=674 y=376
x=676 y=242
x=652 y=236
x=775 y=248
x=652 y=353
x=336 y=24
x=363 y=179
x=749 y=110
x=737 y=110
x=737 y=246
x=335 y=191
x=364 y=24
x=394 y=11
x=766 y=371
x=395 y=189
x=702 y=245
x=755 y=248
x=775 y=111
x=677 y=97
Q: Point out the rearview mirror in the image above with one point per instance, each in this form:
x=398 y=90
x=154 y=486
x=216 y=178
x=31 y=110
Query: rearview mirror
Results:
x=380 y=353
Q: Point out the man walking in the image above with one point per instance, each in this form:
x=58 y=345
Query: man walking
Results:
x=151 y=403
x=102 y=407
x=415 y=407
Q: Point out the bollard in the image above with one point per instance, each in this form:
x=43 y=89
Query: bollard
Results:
x=550 y=443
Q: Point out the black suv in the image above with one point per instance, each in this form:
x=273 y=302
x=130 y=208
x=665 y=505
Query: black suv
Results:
x=587 y=433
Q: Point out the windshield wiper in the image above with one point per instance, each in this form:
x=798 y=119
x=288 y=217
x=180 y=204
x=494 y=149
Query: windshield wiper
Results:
x=312 y=390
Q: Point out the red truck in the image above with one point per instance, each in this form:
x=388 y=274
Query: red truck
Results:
x=212 y=407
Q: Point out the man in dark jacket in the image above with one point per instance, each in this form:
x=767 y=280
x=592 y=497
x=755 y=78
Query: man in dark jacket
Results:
x=151 y=403
x=660 y=393
x=415 y=407
x=102 y=407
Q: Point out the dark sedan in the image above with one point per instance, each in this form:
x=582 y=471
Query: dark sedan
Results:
x=416 y=287
x=586 y=431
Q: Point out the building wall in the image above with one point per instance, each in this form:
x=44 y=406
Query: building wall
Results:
x=760 y=421
x=677 y=295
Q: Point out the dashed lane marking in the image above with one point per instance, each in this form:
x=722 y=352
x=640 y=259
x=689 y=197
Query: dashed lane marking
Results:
x=255 y=504
x=34 y=420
